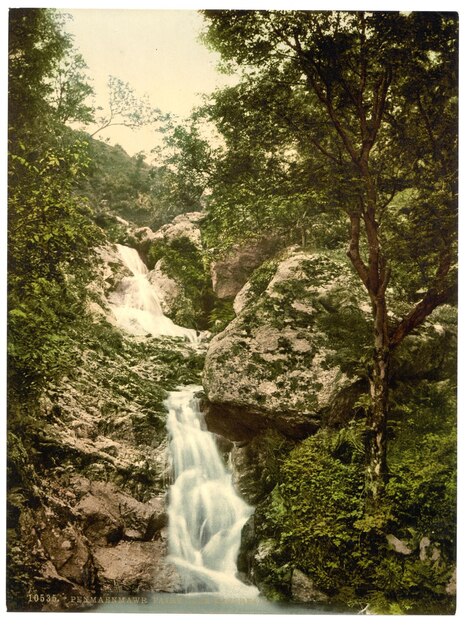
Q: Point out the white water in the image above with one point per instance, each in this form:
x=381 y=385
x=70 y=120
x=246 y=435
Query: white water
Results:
x=136 y=305
x=206 y=515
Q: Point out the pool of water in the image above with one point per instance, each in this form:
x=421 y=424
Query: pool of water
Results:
x=214 y=603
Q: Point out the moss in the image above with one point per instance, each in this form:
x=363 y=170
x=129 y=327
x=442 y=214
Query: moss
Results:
x=316 y=520
x=261 y=277
x=185 y=263
x=220 y=315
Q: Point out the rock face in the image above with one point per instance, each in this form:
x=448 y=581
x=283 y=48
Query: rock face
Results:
x=87 y=513
x=255 y=464
x=185 y=225
x=109 y=514
x=289 y=355
x=134 y=567
x=230 y=273
x=174 y=254
x=94 y=538
x=169 y=290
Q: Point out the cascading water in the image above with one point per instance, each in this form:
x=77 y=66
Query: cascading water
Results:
x=136 y=304
x=206 y=516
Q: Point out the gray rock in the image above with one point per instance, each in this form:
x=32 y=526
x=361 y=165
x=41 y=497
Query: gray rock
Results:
x=304 y=590
x=184 y=225
x=230 y=272
x=292 y=351
x=398 y=545
x=169 y=290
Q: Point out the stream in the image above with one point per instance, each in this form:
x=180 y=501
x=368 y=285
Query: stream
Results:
x=205 y=514
x=136 y=304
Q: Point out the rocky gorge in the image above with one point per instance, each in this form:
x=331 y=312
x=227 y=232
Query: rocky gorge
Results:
x=284 y=392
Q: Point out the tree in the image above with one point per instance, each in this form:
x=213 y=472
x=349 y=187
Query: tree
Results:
x=71 y=91
x=371 y=98
x=183 y=166
x=50 y=233
x=124 y=108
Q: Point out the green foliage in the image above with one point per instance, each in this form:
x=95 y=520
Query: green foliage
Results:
x=50 y=239
x=36 y=46
x=117 y=184
x=183 y=167
x=185 y=263
x=261 y=277
x=71 y=91
x=50 y=231
x=296 y=151
x=351 y=115
x=264 y=179
x=220 y=315
x=320 y=523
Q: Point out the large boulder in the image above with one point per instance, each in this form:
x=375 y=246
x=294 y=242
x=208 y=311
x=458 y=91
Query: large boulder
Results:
x=294 y=348
x=169 y=290
x=183 y=226
x=230 y=272
x=136 y=567
x=177 y=270
x=296 y=354
x=109 y=514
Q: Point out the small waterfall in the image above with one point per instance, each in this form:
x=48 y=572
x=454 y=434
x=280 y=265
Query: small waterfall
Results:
x=136 y=305
x=206 y=516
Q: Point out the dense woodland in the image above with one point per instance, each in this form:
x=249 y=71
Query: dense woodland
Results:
x=340 y=138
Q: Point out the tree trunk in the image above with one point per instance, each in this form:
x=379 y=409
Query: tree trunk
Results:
x=376 y=426
x=376 y=429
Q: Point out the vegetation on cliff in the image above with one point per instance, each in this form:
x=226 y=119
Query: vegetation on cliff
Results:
x=340 y=138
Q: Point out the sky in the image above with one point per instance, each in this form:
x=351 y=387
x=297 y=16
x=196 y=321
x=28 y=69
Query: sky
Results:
x=157 y=52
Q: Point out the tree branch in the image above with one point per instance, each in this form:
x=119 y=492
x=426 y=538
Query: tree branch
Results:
x=441 y=293
x=307 y=63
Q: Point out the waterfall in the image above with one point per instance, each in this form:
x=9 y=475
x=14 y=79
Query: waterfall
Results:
x=206 y=516
x=136 y=304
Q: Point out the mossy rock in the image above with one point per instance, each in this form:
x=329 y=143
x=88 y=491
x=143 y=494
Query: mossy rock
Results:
x=295 y=345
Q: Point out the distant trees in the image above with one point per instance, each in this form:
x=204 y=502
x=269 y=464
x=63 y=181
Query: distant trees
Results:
x=182 y=171
x=347 y=119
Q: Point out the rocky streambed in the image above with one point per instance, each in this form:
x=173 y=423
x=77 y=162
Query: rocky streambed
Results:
x=88 y=510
